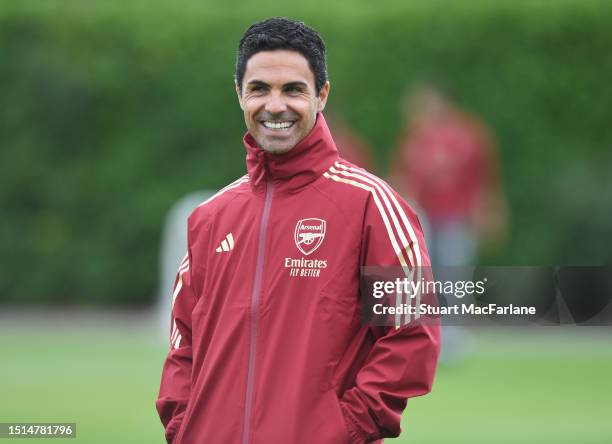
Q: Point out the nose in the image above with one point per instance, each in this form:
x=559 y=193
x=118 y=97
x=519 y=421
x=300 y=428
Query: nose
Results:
x=275 y=103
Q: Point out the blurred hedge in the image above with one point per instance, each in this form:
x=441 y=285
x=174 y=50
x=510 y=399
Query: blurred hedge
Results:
x=111 y=113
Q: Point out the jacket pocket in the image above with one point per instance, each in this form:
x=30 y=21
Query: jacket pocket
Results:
x=339 y=317
x=340 y=430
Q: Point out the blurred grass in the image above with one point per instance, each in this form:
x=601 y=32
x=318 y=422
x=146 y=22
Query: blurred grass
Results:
x=534 y=399
x=105 y=381
x=539 y=386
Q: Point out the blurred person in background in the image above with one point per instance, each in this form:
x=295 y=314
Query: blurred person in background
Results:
x=446 y=163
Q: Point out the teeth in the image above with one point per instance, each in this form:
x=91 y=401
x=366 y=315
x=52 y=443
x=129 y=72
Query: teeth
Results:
x=277 y=125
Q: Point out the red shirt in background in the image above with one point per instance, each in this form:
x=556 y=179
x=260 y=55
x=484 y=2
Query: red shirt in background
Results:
x=446 y=164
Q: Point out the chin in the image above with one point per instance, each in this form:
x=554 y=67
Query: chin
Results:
x=277 y=149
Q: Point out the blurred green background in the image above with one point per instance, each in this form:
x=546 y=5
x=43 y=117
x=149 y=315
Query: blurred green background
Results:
x=113 y=111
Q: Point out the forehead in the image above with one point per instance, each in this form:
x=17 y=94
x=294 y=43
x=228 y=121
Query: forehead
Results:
x=279 y=66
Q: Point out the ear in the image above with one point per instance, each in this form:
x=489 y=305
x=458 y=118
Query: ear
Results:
x=323 y=94
x=239 y=94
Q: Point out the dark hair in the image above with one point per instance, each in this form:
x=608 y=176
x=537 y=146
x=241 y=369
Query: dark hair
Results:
x=282 y=33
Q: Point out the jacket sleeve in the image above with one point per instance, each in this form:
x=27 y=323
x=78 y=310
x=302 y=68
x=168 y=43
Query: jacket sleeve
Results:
x=403 y=359
x=176 y=375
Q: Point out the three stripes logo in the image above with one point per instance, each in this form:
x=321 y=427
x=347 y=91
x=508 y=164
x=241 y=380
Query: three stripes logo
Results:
x=401 y=234
x=227 y=244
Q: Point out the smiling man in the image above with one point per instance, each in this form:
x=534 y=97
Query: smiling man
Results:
x=282 y=109
x=267 y=343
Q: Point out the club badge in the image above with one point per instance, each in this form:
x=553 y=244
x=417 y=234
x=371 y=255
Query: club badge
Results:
x=309 y=234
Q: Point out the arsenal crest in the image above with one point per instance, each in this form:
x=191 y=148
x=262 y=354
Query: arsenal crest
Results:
x=309 y=234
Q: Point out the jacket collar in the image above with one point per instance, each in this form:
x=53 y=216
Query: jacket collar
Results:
x=296 y=168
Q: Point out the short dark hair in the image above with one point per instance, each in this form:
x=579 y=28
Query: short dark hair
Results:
x=282 y=33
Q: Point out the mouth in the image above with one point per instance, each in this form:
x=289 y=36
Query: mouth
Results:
x=278 y=126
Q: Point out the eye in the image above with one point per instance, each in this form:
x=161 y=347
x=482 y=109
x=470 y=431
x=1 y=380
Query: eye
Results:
x=257 y=88
x=294 y=89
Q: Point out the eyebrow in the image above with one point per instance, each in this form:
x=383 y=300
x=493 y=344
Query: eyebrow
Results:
x=257 y=83
x=286 y=85
x=300 y=84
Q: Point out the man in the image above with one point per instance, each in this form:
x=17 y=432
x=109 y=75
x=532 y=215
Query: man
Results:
x=447 y=162
x=267 y=342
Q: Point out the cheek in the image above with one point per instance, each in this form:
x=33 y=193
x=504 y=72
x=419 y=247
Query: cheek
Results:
x=306 y=107
x=251 y=105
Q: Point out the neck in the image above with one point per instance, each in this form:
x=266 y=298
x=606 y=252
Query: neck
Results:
x=296 y=168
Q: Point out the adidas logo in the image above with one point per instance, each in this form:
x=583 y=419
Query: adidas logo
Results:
x=227 y=244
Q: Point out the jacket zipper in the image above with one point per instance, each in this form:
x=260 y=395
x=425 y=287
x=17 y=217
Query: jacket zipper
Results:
x=254 y=305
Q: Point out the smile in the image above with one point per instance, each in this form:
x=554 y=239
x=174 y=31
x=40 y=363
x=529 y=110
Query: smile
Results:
x=277 y=125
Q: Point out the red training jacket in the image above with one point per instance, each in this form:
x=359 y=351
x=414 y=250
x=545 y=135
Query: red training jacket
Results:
x=267 y=344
